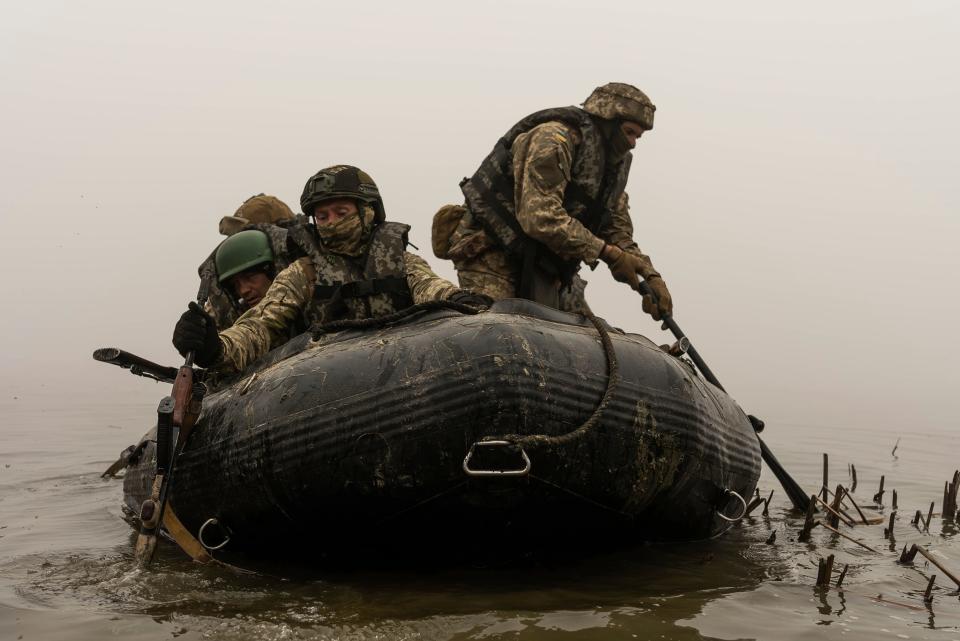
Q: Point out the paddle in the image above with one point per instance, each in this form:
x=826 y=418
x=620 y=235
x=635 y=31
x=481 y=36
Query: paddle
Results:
x=798 y=497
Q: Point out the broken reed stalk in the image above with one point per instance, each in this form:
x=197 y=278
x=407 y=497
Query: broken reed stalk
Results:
x=848 y=537
x=937 y=563
x=928 y=595
x=843 y=512
x=754 y=504
x=907 y=555
x=846 y=567
x=825 y=572
x=863 y=516
x=950 y=496
x=847 y=520
x=888 y=531
x=834 y=519
x=808 y=520
x=917 y=520
x=878 y=497
x=766 y=504
x=823 y=488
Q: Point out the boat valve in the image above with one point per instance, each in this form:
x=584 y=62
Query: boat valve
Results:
x=488 y=472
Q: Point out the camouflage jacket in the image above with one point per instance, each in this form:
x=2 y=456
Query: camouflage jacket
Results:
x=288 y=242
x=308 y=288
x=548 y=184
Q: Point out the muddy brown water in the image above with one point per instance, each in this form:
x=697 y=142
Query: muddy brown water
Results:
x=65 y=560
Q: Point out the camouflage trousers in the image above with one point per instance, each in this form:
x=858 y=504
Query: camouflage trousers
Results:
x=492 y=273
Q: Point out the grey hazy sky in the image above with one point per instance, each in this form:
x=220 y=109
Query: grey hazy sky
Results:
x=799 y=192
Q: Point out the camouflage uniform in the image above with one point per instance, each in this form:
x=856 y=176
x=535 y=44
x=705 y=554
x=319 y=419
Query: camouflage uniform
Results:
x=288 y=300
x=264 y=213
x=546 y=160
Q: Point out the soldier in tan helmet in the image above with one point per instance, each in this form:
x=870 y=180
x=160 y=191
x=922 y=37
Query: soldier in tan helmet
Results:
x=258 y=209
x=549 y=197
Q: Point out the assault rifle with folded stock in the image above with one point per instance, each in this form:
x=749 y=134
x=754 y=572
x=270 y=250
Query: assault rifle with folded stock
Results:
x=176 y=416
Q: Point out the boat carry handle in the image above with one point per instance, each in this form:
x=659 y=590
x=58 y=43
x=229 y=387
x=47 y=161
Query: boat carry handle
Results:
x=212 y=548
x=743 y=503
x=472 y=472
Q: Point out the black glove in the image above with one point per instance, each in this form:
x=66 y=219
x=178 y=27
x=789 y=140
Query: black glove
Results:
x=473 y=299
x=664 y=304
x=196 y=332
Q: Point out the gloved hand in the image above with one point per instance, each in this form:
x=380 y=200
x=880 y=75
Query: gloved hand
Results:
x=196 y=332
x=627 y=267
x=473 y=299
x=664 y=304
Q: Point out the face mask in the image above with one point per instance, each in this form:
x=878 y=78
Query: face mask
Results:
x=348 y=235
x=618 y=143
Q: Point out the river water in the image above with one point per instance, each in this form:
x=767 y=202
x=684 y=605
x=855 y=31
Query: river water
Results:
x=65 y=560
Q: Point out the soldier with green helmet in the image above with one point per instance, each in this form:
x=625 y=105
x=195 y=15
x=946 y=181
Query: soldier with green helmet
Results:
x=274 y=223
x=244 y=264
x=358 y=268
x=549 y=197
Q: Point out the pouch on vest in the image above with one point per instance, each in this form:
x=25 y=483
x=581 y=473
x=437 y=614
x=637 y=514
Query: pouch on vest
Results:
x=445 y=222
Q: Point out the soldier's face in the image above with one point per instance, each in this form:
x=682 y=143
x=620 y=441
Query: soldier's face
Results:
x=632 y=131
x=330 y=211
x=250 y=286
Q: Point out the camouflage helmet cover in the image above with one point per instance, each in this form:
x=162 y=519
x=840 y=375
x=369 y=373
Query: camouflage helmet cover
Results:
x=255 y=209
x=240 y=252
x=341 y=181
x=618 y=100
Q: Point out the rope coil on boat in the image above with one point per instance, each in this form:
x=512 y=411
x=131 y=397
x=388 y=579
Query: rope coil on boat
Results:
x=613 y=379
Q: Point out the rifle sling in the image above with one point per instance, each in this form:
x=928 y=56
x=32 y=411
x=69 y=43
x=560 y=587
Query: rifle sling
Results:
x=182 y=537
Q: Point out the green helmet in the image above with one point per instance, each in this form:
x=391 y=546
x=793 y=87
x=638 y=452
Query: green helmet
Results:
x=617 y=100
x=242 y=251
x=342 y=181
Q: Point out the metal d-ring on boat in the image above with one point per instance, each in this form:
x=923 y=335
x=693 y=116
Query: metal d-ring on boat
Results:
x=743 y=504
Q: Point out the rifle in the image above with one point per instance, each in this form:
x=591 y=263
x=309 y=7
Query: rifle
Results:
x=176 y=416
x=136 y=364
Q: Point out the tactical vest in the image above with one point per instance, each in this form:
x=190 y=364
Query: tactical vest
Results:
x=288 y=242
x=371 y=285
x=591 y=195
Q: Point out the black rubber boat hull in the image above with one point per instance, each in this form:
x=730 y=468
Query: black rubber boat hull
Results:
x=360 y=439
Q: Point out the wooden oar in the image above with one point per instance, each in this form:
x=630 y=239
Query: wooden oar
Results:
x=797 y=496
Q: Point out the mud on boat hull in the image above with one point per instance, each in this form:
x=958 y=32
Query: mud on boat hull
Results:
x=361 y=437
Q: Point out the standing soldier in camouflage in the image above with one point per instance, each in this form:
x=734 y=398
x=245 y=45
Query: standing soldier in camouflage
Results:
x=358 y=269
x=549 y=197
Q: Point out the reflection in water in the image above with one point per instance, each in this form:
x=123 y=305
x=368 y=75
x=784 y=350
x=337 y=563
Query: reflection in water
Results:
x=65 y=567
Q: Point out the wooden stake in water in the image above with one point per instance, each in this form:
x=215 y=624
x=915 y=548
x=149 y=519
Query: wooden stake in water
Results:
x=843 y=574
x=808 y=521
x=853 y=473
x=926 y=527
x=888 y=531
x=825 y=572
x=928 y=595
x=823 y=488
x=878 y=497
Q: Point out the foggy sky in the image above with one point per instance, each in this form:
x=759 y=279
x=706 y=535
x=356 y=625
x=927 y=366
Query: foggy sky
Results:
x=799 y=192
